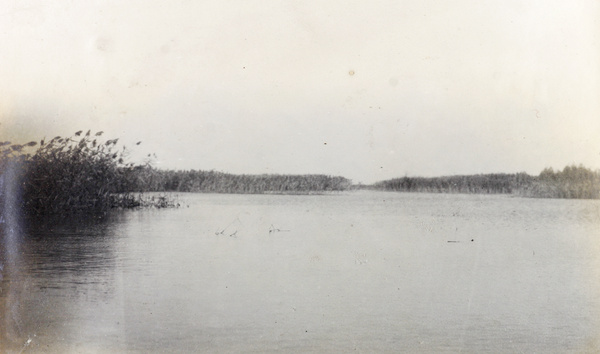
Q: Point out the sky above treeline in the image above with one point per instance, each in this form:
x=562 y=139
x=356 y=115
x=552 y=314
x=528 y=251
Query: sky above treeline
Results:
x=367 y=90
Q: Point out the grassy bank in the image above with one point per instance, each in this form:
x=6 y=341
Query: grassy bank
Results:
x=576 y=182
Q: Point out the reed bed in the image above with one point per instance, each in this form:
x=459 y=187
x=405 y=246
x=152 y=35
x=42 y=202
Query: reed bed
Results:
x=150 y=179
x=81 y=173
x=574 y=182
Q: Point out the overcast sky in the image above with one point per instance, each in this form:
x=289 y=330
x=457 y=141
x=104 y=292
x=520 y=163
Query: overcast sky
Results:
x=365 y=89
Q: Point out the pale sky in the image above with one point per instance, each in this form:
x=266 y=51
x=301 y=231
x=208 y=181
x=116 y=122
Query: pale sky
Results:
x=369 y=90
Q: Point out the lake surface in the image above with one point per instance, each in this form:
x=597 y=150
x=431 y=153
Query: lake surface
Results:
x=350 y=272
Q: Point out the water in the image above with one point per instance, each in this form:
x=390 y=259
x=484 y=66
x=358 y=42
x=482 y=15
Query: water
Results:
x=352 y=272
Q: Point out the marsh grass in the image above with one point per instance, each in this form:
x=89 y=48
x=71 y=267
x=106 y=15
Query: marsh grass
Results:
x=68 y=175
x=83 y=173
x=573 y=182
x=151 y=179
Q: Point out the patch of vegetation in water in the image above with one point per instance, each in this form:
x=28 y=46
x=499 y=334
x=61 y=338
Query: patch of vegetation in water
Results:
x=152 y=179
x=69 y=175
x=576 y=182
x=85 y=174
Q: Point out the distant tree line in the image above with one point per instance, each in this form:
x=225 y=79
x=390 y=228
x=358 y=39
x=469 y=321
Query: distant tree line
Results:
x=572 y=182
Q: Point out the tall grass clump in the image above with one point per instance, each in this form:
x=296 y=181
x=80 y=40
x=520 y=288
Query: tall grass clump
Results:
x=68 y=175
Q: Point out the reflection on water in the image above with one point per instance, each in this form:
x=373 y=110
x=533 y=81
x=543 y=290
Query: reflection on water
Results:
x=50 y=261
x=71 y=251
x=367 y=271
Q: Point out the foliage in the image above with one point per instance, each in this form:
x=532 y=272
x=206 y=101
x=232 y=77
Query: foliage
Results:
x=572 y=182
x=83 y=173
x=488 y=183
x=150 y=179
x=67 y=175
